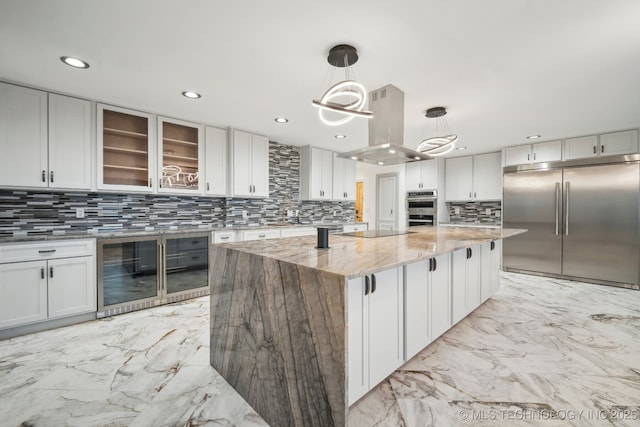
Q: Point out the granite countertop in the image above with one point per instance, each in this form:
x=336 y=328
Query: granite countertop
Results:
x=357 y=256
x=117 y=233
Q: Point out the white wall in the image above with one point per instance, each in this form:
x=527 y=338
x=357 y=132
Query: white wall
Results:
x=367 y=174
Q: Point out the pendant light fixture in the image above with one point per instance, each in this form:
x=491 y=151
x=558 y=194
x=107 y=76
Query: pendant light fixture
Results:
x=438 y=145
x=348 y=97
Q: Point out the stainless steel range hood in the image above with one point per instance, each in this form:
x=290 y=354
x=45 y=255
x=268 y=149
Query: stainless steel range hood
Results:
x=386 y=131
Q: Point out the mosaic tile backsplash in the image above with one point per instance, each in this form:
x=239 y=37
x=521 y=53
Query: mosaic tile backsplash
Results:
x=476 y=212
x=41 y=212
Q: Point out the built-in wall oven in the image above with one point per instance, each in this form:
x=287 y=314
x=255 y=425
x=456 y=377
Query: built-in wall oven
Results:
x=422 y=207
x=140 y=272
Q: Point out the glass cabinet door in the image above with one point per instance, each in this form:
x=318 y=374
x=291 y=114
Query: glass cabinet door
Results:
x=181 y=154
x=128 y=271
x=186 y=263
x=124 y=158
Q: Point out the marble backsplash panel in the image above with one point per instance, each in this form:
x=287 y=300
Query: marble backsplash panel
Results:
x=43 y=212
x=486 y=212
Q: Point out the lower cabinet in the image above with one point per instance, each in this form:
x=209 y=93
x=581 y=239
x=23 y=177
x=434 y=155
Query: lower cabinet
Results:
x=491 y=258
x=427 y=314
x=42 y=281
x=350 y=228
x=297 y=231
x=261 y=234
x=375 y=329
x=465 y=282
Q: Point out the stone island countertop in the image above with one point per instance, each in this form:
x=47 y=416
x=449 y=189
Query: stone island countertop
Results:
x=356 y=256
x=280 y=314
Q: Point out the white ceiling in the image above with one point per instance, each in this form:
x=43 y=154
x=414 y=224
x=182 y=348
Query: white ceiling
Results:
x=504 y=69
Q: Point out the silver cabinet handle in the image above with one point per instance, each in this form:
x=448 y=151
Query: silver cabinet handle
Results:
x=557 y=206
x=566 y=209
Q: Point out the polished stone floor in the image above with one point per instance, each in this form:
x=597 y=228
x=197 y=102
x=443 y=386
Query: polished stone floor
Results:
x=540 y=352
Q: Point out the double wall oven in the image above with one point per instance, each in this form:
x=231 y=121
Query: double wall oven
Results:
x=422 y=208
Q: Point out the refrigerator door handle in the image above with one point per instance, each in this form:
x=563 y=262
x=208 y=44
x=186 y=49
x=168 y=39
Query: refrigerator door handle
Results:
x=566 y=208
x=557 y=207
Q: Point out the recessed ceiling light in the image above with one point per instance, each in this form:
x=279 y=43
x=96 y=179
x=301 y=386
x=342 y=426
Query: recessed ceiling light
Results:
x=191 y=95
x=281 y=120
x=392 y=151
x=354 y=158
x=461 y=148
x=340 y=136
x=417 y=158
x=533 y=137
x=74 y=62
x=381 y=163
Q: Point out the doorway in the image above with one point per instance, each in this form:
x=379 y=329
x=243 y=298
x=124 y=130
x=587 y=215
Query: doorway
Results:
x=359 y=200
x=387 y=201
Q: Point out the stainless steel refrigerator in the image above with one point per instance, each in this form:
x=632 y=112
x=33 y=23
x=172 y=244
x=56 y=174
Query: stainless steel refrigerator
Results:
x=582 y=219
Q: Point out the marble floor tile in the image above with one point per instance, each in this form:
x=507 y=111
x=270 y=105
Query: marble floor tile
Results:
x=542 y=352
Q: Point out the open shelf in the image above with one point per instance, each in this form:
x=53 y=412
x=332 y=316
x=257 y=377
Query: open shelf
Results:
x=124 y=150
x=179 y=141
x=122 y=132
x=129 y=168
x=174 y=156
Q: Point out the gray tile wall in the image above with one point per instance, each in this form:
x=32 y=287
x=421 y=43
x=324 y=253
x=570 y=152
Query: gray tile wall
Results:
x=476 y=212
x=41 y=212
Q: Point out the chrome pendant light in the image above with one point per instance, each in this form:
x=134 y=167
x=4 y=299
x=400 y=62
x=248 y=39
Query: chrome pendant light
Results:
x=438 y=145
x=348 y=97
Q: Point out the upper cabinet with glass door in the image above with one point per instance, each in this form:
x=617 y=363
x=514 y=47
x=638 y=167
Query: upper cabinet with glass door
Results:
x=180 y=156
x=126 y=141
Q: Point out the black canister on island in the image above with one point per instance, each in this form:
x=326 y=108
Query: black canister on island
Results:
x=323 y=238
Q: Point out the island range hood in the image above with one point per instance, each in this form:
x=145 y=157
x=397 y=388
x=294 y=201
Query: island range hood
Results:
x=386 y=131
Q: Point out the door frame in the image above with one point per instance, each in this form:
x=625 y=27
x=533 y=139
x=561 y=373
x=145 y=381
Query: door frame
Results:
x=393 y=175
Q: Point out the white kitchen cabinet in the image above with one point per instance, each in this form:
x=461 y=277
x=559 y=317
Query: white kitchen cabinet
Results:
x=71 y=286
x=581 y=147
x=46 y=280
x=297 y=231
x=216 y=161
x=23 y=136
x=126 y=153
x=224 y=236
x=474 y=178
x=426 y=308
x=70 y=143
x=350 y=228
x=23 y=293
x=465 y=282
x=625 y=142
x=486 y=252
x=344 y=179
x=459 y=178
x=249 y=164
x=495 y=263
x=540 y=152
x=607 y=144
x=45 y=140
x=375 y=333
x=180 y=156
x=262 y=234
x=421 y=175
x=316 y=174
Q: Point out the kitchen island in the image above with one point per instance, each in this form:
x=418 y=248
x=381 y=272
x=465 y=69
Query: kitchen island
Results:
x=302 y=333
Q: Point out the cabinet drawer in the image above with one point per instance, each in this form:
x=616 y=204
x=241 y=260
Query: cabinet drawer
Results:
x=354 y=227
x=17 y=252
x=224 y=237
x=260 y=234
x=297 y=231
x=192 y=243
